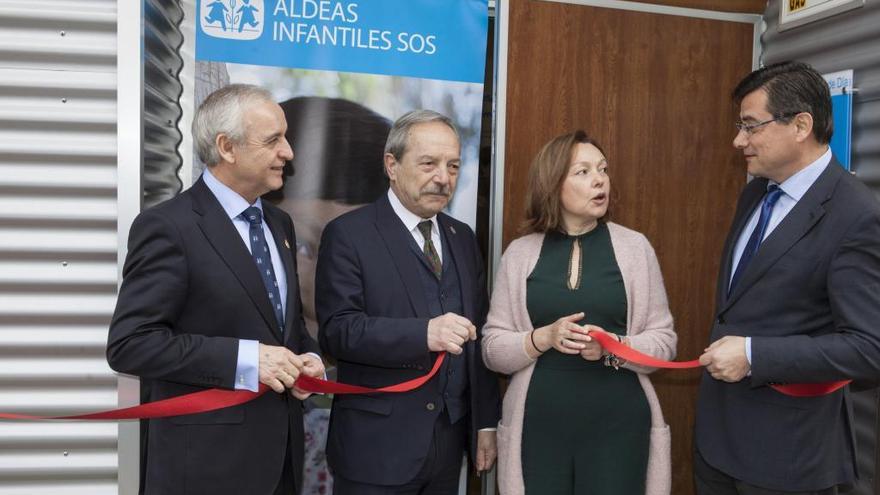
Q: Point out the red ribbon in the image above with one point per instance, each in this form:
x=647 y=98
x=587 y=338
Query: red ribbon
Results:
x=625 y=352
x=213 y=399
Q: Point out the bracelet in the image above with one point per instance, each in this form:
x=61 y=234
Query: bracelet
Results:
x=611 y=360
x=532 y=338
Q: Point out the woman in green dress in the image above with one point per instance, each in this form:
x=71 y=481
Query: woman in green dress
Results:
x=576 y=419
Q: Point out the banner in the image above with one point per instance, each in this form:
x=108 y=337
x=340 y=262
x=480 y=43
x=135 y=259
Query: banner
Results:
x=343 y=71
x=431 y=39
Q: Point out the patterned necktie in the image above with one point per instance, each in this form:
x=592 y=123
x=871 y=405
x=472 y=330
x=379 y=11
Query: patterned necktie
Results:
x=428 y=248
x=773 y=193
x=260 y=252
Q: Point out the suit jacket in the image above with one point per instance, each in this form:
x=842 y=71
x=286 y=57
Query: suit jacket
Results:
x=810 y=300
x=373 y=318
x=190 y=291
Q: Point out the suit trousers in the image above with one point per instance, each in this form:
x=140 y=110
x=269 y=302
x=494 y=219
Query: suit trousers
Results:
x=711 y=481
x=285 y=484
x=438 y=475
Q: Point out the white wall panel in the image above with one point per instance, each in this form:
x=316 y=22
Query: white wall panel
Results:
x=58 y=242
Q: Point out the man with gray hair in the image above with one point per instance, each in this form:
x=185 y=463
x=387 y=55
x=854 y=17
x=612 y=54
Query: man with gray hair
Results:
x=210 y=299
x=398 y=281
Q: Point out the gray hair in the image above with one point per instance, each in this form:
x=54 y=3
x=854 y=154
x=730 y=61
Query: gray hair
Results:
x=222 y=112
x=398 y=137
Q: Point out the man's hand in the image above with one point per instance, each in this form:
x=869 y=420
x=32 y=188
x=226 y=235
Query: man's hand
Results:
x=449 y=332
x=486 y=450
x=312 y=366
x=279 y=367
x=726 y=359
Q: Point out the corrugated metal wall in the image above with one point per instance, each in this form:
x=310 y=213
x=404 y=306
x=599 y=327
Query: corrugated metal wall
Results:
x=58 y=244
x=850 y=40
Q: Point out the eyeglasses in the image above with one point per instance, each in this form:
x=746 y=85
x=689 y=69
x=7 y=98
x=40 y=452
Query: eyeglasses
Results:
x=751 y=129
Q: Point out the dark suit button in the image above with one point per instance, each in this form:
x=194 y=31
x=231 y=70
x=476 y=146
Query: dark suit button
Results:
x=430 y=406
x=449 y=372
x=720 y=320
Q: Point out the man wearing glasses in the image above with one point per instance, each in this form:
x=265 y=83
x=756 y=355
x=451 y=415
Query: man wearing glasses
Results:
x=798 y=301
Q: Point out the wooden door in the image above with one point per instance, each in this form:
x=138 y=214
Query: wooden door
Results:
x=654 y=90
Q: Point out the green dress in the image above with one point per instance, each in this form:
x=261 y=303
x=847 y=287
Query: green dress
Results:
x=587 y=426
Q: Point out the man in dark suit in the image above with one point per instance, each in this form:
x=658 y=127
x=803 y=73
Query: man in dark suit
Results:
x=798 y=301
x=210 y=298
x=397 y=282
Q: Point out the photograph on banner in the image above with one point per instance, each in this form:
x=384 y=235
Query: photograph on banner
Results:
x=337 y=124
x=341 y=92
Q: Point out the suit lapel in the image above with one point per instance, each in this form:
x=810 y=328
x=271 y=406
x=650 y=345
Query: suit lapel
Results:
x=750 y=199
x=397 y=240
x=221 y=234
x=456 y=251
x=282 y=243
x=806 y=213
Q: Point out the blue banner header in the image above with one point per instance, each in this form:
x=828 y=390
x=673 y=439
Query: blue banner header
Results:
x=432 y=39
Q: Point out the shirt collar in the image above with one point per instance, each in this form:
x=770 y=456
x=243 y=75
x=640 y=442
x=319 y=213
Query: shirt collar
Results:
x=232 y=202
x=796 y=185
x=410 y=220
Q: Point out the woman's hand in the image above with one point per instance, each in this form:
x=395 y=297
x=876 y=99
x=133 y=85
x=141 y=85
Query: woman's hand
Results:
x=593 y=351
x=564 y=335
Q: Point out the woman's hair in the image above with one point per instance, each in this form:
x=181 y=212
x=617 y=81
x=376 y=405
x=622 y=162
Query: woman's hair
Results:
x=546 y=175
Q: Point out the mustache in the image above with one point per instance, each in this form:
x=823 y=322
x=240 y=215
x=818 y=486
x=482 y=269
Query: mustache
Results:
x=438 y=190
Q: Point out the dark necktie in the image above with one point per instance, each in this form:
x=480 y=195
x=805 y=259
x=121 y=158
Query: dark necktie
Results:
x=428 y=248
x=260 y=252
x=773 y=193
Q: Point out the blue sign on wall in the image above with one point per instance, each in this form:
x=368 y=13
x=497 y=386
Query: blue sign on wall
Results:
x=841 y=85
x=432 y=39
x=841 y=140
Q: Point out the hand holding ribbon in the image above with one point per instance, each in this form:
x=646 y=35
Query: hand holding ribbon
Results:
x=793 y=389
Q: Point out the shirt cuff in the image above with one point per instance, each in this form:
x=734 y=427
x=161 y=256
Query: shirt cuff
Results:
x=749 y=350
x=247 y=368
x=487 y=429
x=749 y=354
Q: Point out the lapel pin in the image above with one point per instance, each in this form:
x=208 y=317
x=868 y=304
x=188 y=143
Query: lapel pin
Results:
x=286 y=244
x=452 y=229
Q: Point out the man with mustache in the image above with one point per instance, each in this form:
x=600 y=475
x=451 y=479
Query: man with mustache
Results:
x=398 y=282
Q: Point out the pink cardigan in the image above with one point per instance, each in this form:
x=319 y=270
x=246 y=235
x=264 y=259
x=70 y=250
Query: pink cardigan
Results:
x=649 y=328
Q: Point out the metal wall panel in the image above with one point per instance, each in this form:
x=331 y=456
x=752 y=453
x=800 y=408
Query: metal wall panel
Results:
x=850 y=40
x=58 y=245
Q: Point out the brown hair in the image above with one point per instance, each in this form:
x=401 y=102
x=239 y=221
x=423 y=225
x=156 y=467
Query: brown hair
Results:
x=546 y=175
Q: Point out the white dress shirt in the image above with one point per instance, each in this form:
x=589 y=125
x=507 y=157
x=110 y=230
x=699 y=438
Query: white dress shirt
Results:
x=412 y=221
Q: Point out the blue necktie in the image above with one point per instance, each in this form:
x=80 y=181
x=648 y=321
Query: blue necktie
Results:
x=260 y=252
x=770 y=199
